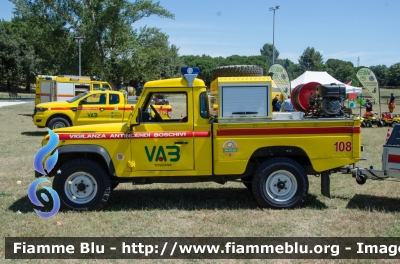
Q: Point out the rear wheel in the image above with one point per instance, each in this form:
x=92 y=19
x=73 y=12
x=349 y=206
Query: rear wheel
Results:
x=368 y=124
x=280 y=183
x=82 y=184
x=58 y=122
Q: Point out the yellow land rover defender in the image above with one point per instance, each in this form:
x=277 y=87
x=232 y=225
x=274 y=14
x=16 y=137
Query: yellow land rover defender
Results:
x=271 y=153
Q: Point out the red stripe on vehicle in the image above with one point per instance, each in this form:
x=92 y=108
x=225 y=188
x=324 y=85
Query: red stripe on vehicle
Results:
x=136 y=135
x=201 y=134
x=105 y=108
x=394 y=158
x=286 y=131
x=65 y=95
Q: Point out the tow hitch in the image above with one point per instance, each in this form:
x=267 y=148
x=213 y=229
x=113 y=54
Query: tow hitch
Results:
x=362 y=174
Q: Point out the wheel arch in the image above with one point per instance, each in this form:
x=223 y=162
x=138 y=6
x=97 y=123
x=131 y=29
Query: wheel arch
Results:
x=59 y=115
x=96 y=153
x=295 y=153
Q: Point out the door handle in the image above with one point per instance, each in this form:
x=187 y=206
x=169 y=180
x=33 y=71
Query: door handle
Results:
x=180 y=142
x=73 y=109
x=101 y=109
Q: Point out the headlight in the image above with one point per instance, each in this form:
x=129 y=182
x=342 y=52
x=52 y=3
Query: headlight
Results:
x=40 y=109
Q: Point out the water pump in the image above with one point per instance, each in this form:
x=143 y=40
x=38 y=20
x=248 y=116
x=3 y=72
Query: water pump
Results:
x=328 y=101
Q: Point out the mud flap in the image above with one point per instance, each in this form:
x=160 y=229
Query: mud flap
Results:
x=326 y=184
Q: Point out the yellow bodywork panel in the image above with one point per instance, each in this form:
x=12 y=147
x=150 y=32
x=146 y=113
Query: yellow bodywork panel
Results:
x=328 y=144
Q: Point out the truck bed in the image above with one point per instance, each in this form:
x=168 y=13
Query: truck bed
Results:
x=325 y=144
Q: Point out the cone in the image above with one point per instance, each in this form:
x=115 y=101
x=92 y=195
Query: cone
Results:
x=388 y=134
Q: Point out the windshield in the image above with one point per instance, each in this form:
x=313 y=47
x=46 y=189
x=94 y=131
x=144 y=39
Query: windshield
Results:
x=77 y=97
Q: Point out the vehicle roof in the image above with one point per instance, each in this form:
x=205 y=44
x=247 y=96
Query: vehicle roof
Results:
x=174 y=82
x=105 y=91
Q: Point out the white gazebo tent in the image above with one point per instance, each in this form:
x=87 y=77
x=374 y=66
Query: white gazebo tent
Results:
x=322 y=77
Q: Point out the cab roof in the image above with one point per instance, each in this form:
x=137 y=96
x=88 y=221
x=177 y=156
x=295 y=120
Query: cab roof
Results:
x=174 y=82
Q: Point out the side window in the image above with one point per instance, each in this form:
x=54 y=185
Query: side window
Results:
x=171 y=108
x=96 y=86
x=204 y=105
x=95 y=99
x=114 y=99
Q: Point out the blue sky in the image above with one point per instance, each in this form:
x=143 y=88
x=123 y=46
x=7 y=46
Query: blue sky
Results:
x=339 y=29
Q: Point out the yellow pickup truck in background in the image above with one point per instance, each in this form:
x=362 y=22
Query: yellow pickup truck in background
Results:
x=88 y=108
x=272 y=154
x=65 y=87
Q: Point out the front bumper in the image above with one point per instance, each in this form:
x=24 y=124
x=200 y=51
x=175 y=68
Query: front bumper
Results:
x=39 y=120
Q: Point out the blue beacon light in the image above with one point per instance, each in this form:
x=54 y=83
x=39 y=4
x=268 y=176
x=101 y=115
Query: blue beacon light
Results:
x=190 y=73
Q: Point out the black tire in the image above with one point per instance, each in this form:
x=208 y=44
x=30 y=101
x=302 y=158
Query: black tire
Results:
x=237 y=71
x=362 y=124
x=381 y=123
x=394 y=123
x=114 y=185
x=361 y=179
x=58 y=122
x=280 y=183
x=82 y=184
x=247 y=181
x=368 y=124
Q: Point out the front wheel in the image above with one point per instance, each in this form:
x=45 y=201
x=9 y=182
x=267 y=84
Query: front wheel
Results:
x=82 y=184
x=280 y=183
x=58 y=122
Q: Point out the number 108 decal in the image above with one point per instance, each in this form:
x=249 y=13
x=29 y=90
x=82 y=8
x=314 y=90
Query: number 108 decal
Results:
x=343 y=146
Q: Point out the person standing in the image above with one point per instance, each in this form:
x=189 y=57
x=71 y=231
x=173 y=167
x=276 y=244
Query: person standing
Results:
x=276 y=104
x=392 y=103
x=368 y=108
x=287 y=105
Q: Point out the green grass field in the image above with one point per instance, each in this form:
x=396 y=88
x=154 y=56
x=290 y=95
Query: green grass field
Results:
x=192 y=210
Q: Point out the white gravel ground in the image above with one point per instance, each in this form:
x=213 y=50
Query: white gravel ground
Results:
x=14 y=102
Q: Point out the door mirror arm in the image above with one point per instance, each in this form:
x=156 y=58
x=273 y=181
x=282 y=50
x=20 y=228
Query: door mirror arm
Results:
x=138 y=121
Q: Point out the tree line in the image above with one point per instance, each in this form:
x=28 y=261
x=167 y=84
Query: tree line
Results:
x=40 y=40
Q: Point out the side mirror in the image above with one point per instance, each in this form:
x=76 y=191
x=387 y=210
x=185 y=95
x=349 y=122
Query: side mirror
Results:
x=81 y=102
x=138 y=119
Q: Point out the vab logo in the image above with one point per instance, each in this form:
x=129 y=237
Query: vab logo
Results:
x=283 y=76
x=92 y=114
x=38 y=165
x=160 y=155
x=371 y=78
